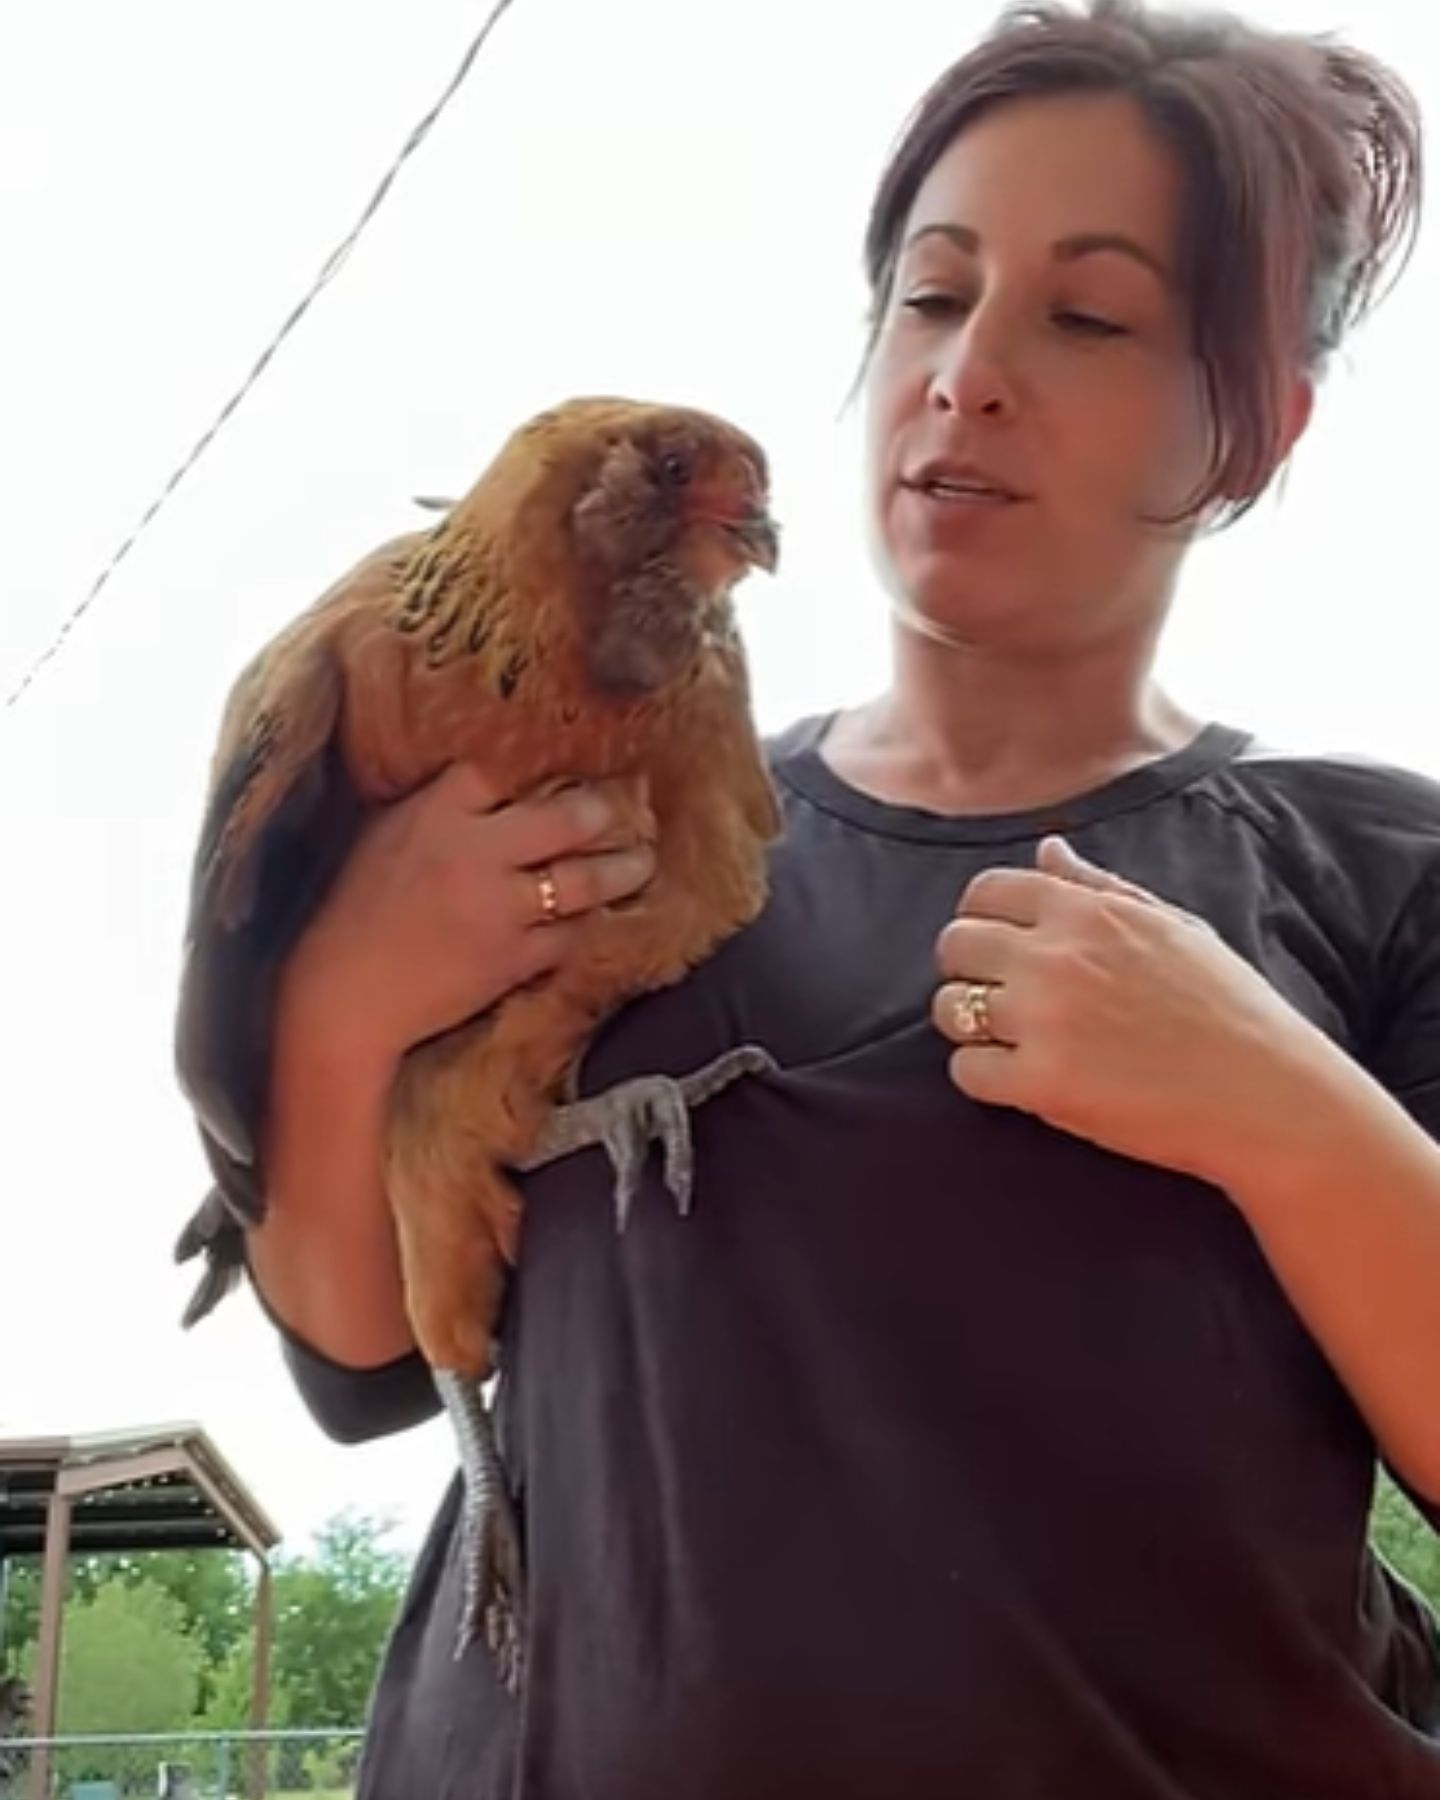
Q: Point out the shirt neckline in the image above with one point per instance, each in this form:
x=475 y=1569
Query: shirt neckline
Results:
x=801 y=766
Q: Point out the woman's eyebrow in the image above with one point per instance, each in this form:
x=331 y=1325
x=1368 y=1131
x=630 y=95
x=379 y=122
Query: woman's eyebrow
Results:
x=1066 y=249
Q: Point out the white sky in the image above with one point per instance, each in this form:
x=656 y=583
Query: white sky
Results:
x=624 y=198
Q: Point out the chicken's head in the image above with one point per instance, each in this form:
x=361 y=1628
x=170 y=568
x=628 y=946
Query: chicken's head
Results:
x=669 y=510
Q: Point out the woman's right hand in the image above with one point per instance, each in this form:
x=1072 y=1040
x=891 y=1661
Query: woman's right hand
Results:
x=439 y=910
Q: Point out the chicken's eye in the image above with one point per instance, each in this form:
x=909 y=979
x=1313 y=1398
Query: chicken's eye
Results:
x=675 y=468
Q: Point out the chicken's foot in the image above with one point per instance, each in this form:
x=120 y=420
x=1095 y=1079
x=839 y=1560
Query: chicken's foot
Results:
x=490 y=1537
x=632 y=1115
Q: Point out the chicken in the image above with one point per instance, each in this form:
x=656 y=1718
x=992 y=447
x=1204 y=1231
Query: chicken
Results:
x=568 y=619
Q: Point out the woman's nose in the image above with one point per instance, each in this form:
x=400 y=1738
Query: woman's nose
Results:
x=973 y=376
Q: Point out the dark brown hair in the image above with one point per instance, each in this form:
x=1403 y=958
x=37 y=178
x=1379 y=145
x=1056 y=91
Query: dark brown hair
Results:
x=1302 y=171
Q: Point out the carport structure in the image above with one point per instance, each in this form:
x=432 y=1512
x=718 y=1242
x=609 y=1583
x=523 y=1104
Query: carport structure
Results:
x=159 y=1488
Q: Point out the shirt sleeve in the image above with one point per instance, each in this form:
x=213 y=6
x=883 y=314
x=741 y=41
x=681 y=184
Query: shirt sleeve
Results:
x=1404 y=1036
x=1404 y=1041
x=354 y=1406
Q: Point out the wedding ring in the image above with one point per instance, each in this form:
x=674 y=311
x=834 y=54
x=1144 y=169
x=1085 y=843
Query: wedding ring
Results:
x=549 y=895
x=970 y=1013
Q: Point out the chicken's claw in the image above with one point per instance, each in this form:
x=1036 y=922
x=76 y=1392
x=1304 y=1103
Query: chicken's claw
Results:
x=633 y=1114
x=493 y=1593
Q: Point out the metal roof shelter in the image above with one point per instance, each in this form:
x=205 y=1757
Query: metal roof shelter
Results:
x=164 y=1487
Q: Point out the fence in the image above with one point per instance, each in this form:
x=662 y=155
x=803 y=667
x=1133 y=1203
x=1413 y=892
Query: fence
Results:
x=201 y=1765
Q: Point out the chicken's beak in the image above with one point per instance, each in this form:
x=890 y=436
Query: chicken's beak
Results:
x=759 y=536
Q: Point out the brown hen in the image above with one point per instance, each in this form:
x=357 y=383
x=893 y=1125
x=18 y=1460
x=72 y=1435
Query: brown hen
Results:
x=569 y=619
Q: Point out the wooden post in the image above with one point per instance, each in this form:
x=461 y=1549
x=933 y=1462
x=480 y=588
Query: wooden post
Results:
x=47 y=1661
x=260 y=1696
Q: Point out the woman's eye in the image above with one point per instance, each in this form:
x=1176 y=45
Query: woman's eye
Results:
x=1090 y=325
x=934 y=305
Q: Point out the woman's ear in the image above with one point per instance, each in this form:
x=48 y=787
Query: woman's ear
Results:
x=1297 y=406
x=1298 y=411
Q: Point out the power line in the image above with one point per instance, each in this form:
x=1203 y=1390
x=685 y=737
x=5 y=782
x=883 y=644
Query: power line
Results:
x=329 y=270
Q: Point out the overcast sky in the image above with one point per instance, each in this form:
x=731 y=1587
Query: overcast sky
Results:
x=630 y=195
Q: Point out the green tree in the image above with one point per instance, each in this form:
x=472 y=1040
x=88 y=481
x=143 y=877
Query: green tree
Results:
x=127 y=1662
x=333 y=1608
x=333 y=1614
x=226 y=1706
x=213 y=1589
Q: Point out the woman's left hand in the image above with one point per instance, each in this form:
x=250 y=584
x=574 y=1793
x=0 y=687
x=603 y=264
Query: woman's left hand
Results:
x=1125 y=1020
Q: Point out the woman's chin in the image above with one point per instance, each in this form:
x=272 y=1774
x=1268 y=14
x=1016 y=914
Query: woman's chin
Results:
x=950 y=611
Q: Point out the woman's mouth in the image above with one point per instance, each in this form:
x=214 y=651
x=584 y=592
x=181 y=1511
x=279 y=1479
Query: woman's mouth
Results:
x=963 y=493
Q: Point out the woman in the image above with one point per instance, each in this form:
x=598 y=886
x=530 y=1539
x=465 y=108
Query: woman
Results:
x=1004 y=1421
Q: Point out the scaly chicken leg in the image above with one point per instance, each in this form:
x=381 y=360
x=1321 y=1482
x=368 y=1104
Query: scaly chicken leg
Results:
x=645 y=1110
x=626 y=1120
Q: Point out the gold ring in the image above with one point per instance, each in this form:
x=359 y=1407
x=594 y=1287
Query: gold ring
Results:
x=970 y=1013
x=549 y=895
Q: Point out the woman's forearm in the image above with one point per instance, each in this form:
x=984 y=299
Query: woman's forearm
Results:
x=326 y=1259
x=1348 y=1215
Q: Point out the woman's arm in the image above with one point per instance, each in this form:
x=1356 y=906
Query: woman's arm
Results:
x=1347 y=1211
x=325 y=1260
x=1128 y=1022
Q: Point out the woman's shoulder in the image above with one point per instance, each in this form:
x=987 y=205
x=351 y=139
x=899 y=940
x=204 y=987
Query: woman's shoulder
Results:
x=1343 y=793
x=797 y=738
x=1353 y=838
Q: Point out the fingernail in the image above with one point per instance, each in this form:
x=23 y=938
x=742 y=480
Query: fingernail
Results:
x=638 y=864
x=592 y=810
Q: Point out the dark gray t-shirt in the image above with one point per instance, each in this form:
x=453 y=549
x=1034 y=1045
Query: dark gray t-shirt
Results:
x=940 y=1453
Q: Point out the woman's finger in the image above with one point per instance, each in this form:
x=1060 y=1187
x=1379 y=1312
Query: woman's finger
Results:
x=979 y=949
x=467 y=788
x=971 y=1019
x=1017 y=896
x=574 y=885
x=1056 y=856
x=532 y=832
x=541 y=951
x=987 y=1073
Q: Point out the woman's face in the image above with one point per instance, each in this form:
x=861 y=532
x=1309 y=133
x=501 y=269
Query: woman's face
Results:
x=1032 y=396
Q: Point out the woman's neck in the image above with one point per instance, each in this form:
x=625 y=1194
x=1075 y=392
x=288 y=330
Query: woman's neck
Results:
x=970 y=731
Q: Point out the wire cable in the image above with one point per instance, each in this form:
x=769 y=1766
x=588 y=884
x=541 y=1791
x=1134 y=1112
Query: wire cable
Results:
x=329 y=270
